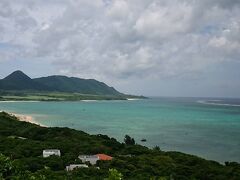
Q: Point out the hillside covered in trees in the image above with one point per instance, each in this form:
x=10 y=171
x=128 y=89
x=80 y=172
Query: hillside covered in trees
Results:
x=18 y=87
x=20 y=81
x=21 y=156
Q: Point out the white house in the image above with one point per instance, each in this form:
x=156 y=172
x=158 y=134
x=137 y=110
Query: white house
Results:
x=73 y=166
x=50 y=152
x=92 y=159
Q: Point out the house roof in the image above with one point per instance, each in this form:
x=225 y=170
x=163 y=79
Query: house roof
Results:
x=104 y=157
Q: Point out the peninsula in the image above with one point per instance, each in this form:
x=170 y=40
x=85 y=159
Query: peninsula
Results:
x=19 y=87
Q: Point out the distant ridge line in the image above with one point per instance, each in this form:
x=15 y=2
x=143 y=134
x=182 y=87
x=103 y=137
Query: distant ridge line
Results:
x=20 y=81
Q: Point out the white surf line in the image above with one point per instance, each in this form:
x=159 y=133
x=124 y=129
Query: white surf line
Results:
x=217 y=104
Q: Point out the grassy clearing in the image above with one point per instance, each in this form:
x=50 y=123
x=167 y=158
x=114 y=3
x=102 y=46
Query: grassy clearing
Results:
x=54 y=96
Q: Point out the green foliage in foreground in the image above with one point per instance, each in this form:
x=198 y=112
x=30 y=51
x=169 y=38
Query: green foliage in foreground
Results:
x=114 y=175
x=22 y=158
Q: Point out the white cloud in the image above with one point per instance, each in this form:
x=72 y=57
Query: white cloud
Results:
x=164 y=20
x=118 y=10
x=218 y=42
x=120 y=39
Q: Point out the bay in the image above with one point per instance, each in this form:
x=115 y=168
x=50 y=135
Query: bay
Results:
x=207 y=127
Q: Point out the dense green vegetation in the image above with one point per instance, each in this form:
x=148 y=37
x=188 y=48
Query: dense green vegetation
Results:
x=18 y=81
x=21 y=156
x=72 y=84
x=128 y=140
x=53 y=96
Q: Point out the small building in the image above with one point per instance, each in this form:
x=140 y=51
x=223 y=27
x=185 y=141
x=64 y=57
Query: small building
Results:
x=75 y=166
x=22 y=138
x=92 y=159
x=50 y=152
x=104 y=157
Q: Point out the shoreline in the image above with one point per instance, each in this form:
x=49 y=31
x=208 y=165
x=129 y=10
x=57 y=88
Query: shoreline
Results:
x=133 y=99
x=8 y=101
x=24 y=117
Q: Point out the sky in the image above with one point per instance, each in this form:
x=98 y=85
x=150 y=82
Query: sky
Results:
x=142 y=47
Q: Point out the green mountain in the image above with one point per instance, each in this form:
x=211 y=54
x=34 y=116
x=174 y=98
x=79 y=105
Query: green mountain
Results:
x=73 y=84
x=20 y=81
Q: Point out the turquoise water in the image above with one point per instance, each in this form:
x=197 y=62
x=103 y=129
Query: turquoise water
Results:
x=204 y=127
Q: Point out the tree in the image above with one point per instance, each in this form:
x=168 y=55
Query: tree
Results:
x=6 y=166
x=156 y=148
x=114 y=175
x=10 y=170
x=128 y=140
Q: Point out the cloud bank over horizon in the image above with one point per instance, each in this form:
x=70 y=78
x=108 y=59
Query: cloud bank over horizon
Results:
x=152 y=47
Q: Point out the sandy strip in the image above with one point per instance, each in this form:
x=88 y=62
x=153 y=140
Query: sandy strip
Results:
x=26 y=118
x=132 y=99
x=17 y=101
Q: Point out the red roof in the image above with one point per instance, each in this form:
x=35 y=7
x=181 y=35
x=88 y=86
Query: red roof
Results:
x=104 y=157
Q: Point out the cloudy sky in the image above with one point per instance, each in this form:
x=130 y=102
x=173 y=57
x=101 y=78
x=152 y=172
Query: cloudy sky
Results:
x=149 y=47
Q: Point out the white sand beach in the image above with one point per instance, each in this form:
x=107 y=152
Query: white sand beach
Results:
x=23 y=117
x=26 y=118
x=16 y=101
x=132 y=99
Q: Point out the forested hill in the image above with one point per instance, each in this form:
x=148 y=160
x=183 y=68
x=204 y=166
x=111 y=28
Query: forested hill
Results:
x=20 y=81
x=21 y=157
x=73 y=84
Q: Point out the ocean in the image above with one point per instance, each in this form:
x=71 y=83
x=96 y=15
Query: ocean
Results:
x=206 y=127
